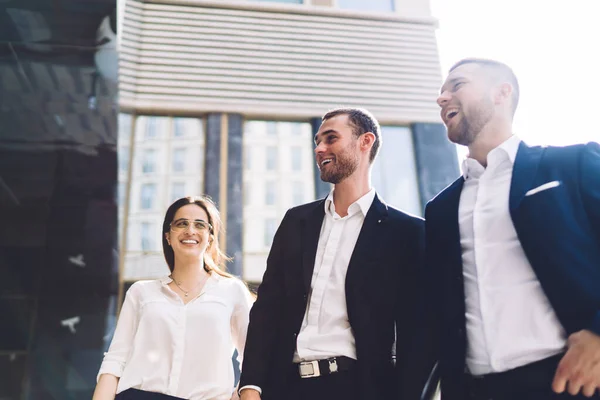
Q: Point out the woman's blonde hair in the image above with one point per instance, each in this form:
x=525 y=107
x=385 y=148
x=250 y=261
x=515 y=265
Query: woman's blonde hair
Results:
x=214 y=258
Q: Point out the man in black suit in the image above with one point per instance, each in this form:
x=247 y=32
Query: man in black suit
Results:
x=340 y=284
x=513 y=249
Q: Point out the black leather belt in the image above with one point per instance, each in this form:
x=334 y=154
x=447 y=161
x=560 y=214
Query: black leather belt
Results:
x=313 y=369
x=509 y=384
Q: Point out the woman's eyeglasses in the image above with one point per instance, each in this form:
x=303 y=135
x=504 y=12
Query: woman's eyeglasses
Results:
x=184 y=224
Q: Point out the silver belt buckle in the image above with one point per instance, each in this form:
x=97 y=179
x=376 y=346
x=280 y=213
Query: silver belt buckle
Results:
x=309 y=369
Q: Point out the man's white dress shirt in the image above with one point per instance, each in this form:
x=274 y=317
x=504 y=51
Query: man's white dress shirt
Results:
x=509 y=319
x=184 y=350
x=326 y=331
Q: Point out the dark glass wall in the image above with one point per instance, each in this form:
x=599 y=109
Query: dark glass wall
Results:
x=58 y=215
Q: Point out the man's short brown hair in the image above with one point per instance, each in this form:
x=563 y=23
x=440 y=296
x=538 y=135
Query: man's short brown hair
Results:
x=361 y=121
x=498 y=71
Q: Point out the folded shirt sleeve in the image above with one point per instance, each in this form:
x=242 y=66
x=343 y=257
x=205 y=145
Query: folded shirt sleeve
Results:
x=122 y=343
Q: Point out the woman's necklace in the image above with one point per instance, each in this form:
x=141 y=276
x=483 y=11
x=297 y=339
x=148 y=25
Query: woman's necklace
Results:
x=187 y=292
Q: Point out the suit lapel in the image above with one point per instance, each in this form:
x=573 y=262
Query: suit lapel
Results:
x=366 y=244
x=448 y=217
x=310 y=241
x=524 y=171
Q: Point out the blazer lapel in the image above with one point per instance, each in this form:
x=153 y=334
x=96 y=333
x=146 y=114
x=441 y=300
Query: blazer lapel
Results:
x=367 y=241
x=447 y=234
x=451 y=214
x=524 y=171
x=310 y=241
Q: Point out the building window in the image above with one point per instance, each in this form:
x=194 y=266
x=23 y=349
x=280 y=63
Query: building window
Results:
x=371 y=5
x=178 y=127
x=124 y=126
x=268 y=195
x=296 y=128
x=148 y=196
x=297 y=193
x=283 y=1
x=296 y=158
x=150 y=128
x=271 y=158
x=270 y=189
x=122 y=191
x=247 y=194
x=248 y=159
x=271 y=128
x=270 y=228
x=179 y=160
x=395 y=172
x=124 y=159
x=146 y=236
x=177 y=190
x=149 y=161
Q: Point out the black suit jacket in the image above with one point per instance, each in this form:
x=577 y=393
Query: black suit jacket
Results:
x=381 y=287
x=554 y=203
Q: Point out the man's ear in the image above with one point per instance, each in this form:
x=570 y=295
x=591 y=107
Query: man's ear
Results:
x=366 y=140
x=504 y=93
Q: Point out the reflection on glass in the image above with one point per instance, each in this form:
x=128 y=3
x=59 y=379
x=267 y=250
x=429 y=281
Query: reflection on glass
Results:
x=179 y=160
x=148 y=195
x=271 y=128
x=272 y=184
x=298 y=193
x=150 y=127
x=178 y=127
x=296 y=158
x=394 y=170
x=146 y=236
x=124 y=127
x=371 y=5
x=283 y=1
x=177 y=190
x=121 y=194
x=271 y=158
x=270 y=190
x=124 y=159
x=270 y=228
x=149 y=161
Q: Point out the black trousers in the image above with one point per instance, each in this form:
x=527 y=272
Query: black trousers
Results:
x=339 y=385
x=529 y=382
x=136 y=394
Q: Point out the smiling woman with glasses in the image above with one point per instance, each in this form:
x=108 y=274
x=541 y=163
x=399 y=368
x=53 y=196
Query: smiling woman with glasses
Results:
x=175 y=335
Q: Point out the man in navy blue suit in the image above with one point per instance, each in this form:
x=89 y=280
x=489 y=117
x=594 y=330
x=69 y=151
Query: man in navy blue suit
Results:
x=513 y=251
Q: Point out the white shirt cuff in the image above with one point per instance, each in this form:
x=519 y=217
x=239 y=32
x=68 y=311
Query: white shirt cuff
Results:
x=110 y=367
x=259 y=390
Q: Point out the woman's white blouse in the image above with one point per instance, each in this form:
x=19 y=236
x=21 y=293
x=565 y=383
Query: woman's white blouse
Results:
x=184 y=350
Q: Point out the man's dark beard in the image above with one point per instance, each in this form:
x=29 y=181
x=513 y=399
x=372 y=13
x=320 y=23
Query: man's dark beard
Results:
x=468 y=129
x=345 y=165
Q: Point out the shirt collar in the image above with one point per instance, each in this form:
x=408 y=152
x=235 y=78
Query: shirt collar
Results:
x=471 y=167
x=363 y=204
x=165 y=280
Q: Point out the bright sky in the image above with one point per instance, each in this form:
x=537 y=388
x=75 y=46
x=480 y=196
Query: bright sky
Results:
x=553 y=46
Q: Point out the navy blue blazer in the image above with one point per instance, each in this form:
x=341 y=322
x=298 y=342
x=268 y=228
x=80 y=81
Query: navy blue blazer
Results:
x=559 y=230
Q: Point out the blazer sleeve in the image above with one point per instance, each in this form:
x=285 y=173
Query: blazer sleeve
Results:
x=265 y=315
x=590 y=187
